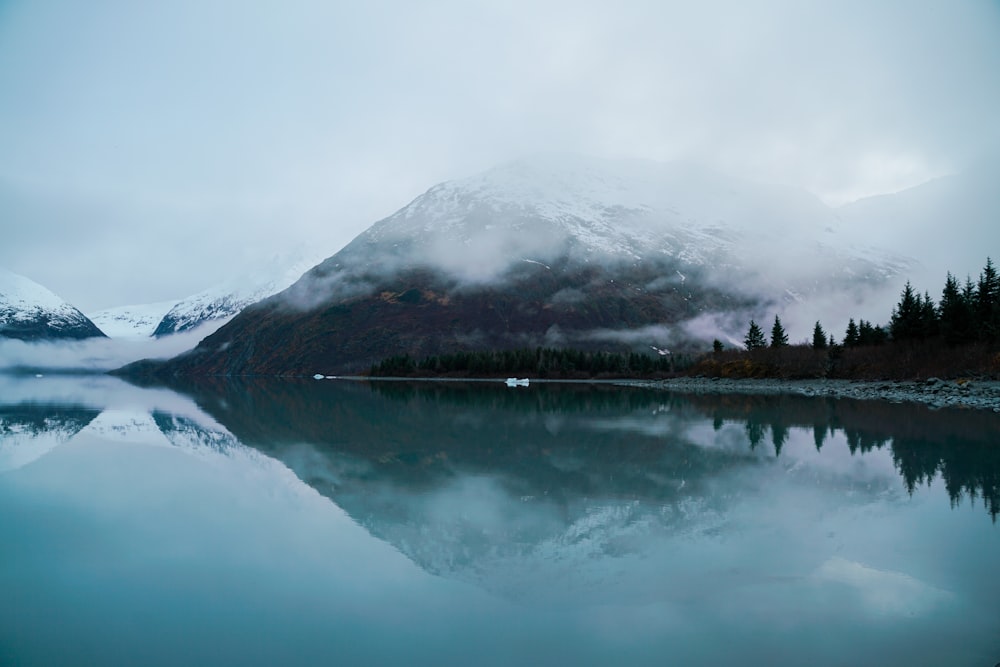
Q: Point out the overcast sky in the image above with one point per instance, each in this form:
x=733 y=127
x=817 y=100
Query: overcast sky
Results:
x=149 y=150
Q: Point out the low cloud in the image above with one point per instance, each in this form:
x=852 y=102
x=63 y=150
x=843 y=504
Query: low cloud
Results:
x=96 y=354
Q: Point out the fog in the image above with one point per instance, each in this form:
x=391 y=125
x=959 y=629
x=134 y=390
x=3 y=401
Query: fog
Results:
x=95 y=354
x=150 y=151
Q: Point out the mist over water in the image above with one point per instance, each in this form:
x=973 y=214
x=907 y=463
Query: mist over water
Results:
x=96 y=354
x=444 y=523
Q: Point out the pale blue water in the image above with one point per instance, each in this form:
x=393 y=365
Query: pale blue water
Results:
x=304 y=523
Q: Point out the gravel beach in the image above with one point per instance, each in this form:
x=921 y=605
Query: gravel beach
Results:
x=972 y=394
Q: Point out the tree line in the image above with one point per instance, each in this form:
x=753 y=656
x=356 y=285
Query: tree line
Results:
x=541 y=362
x=967 y=313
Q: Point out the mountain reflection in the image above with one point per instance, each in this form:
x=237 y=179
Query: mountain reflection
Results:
x=29 y=431
x=559 y=441
x=556 y=488
x=514 y=489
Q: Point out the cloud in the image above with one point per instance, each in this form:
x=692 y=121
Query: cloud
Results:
x=96 y=354
x=883 y=592
x=174 y=142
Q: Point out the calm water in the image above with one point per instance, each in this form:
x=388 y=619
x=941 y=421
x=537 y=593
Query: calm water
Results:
x=339 y=523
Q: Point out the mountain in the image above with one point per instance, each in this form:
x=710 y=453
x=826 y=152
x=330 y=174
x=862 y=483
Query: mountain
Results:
x=30 y=312
x=552 y=251
x=213 y=305
x=229 y=298
x=137 y=321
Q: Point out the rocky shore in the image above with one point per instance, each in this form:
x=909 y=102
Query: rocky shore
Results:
x=936 y=393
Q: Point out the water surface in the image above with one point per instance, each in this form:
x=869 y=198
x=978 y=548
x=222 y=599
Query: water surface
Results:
x=305 y=522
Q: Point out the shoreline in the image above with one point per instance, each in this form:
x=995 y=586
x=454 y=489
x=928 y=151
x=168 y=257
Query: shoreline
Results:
x=933 y=392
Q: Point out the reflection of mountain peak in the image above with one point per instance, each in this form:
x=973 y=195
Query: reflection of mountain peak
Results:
x=28 y=432
x=188 y=434
x=475 y=484
x=126 y=425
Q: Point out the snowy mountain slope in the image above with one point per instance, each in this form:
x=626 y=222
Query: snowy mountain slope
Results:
x=29 y=311
x=555 y=252
x=136 y=321
x=607 y=210
x=229 y=298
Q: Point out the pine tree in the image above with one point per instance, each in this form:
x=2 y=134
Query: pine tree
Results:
x=988 y=303
x=717 y=346
x=928 y=318
x=778 y=336
x=906 y=316
x=852 y=336
x=869 y=334
x=754 y=339
x=819 y=337
x=956 y=314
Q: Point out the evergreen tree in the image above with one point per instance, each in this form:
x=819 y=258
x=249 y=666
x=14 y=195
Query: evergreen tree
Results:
x=754 y=339
x=819 y=337
x=928 y=318
x=907 y=316
x=956 y=312
x=869 y=334
x=988 y=303
x=716 y=346
x=778 y=336
x=852 y=336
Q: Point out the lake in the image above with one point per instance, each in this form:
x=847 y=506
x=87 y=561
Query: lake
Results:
x=302 y=522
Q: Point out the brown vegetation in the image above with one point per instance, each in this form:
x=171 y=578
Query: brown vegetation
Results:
x=893 y=361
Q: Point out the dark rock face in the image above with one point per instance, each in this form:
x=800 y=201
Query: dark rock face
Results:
x=421 y=312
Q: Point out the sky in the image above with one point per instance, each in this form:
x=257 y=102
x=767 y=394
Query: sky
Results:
x=151 y=150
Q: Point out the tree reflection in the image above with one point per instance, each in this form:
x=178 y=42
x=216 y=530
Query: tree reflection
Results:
x=518 y=430
x=962 y=446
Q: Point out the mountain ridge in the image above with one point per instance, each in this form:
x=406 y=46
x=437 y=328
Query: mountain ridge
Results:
x=30 y=312
x=536 y=250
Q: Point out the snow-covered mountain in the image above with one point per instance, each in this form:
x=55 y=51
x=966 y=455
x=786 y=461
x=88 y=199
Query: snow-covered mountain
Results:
x=225 y=300
x=214 y=305
x=618 y=211
x=29 y=311
x=556 y=251
x=137 y=321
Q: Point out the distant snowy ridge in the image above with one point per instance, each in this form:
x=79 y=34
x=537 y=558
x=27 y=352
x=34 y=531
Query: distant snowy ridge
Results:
x=227 y=299
x=29 y=311
x=136 y=321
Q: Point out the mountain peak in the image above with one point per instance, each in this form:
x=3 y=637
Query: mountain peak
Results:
x=29 y=311
x=594 y=209
x=553 y=251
